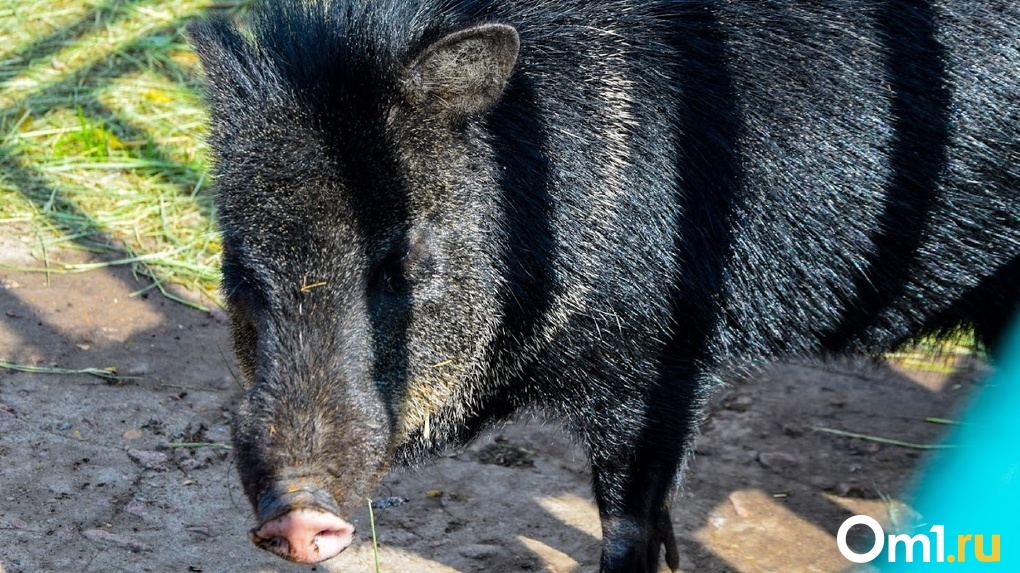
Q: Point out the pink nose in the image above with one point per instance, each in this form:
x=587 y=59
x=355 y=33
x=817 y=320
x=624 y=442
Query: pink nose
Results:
x=304 y=535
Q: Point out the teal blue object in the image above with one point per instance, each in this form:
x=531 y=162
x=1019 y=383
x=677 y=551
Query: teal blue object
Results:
x=974 y=489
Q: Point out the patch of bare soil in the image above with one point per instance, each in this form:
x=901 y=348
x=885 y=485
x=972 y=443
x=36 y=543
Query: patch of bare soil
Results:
x=88 y=485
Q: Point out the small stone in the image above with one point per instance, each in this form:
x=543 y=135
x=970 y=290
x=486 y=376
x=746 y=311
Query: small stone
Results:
x=12 y=523
x=740 y=506
x=132 y=434
x=137 y=509
x=150 y=460
x=777 y=461
x=478 y=551
x=188 y=461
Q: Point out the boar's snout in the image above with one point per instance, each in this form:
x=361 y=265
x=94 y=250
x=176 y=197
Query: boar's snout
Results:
x=297 y=527
x=304 y=536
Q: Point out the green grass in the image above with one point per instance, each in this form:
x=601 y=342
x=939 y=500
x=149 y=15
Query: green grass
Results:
x=942 y=354
x=101 y=137
x=375 y=540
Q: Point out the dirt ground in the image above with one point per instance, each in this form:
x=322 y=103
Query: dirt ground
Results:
x=86 y=484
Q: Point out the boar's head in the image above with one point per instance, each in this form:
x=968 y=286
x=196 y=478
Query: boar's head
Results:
x=355 y=199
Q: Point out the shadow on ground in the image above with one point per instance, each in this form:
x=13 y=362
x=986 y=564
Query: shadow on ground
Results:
x=86 y=485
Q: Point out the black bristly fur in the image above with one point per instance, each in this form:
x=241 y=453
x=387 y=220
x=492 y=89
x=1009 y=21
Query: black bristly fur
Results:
x=437 y=214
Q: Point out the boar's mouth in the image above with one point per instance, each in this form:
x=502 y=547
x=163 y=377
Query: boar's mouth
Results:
x=294 y=495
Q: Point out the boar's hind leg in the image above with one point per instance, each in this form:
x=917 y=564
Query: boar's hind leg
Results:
x=632 y=482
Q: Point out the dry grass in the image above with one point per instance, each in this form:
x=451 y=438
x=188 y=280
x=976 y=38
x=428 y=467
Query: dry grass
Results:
x=101 y=136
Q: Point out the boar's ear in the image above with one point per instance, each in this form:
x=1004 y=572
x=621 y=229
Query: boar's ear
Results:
x=223 y=53
x=465 y=72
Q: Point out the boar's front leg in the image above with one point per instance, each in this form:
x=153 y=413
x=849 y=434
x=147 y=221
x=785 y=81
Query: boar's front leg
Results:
x=635 y=518
x=633 y=477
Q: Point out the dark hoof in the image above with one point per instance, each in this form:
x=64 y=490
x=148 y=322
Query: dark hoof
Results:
x=665 y=534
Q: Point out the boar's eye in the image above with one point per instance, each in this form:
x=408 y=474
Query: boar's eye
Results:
x=391 y=276
x=402 y=269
